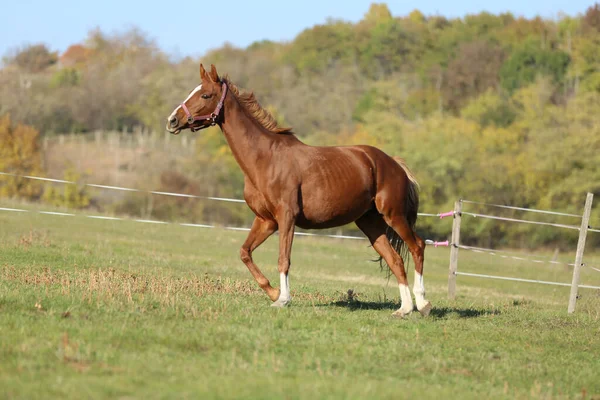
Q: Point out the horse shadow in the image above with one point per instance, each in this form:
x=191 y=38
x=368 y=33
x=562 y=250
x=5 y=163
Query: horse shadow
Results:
x=436 y=312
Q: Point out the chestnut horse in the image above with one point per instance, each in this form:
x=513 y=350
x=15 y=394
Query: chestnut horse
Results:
x=288 y=184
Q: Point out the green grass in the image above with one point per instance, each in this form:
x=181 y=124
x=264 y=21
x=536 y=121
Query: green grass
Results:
x=101 y=309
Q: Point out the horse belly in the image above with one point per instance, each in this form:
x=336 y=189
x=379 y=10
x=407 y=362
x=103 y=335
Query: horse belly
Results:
x=327 y=211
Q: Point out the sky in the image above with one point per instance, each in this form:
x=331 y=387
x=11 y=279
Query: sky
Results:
x=190 y=27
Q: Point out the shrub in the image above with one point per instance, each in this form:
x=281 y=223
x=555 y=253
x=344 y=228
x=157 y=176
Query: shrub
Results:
x=19 y=154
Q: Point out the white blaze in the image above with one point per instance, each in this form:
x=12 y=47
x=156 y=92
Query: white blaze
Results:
x=196 y=90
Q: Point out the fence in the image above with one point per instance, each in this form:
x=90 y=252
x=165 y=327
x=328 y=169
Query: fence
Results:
x=584 y=228
x=454 y=244
x=155 y=192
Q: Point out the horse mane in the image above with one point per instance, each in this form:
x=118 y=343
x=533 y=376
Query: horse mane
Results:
x=255 y=110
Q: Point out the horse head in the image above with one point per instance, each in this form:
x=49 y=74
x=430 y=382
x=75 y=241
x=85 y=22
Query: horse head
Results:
x=202 y=108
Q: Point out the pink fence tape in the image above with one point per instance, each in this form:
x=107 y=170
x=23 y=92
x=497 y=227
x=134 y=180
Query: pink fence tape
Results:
x=436 y=244
x=446 y=214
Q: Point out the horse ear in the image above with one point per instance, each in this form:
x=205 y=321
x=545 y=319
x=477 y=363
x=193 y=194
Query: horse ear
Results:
x=203 y=75
x=213 y=73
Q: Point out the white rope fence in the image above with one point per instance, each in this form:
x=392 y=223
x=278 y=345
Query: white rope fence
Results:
x=233 y=200
x=150 y=221
x=522 y=209
x=232 y=228
x=506 y=254
x=95 y=185
x=526 y=221
x=507 y=278
x=590 y=229
x=125 y=189
x=583 y=229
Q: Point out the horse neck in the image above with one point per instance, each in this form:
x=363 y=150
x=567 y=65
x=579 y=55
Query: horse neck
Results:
x=247 y=139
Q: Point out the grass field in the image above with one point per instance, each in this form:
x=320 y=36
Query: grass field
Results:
x=107 y=309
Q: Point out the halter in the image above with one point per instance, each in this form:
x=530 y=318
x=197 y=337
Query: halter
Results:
x=212 y=117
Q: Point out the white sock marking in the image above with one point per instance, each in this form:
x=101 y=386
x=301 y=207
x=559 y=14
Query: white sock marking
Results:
x=419 y=291
x=284 y=287
x=407 y=303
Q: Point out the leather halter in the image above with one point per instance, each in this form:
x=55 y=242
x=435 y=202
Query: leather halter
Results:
x=212 y=117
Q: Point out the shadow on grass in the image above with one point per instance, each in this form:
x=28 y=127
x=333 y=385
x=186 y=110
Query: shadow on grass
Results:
x=442 y=312
x=364 y=305
x=436 y=312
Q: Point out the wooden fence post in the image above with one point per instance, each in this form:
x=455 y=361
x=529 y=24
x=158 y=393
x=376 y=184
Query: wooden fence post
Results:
x=454 y=250
x=585 y=221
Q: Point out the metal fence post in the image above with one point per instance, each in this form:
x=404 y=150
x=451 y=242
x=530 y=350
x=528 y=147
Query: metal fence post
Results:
x=454 y=250
x=580 y=249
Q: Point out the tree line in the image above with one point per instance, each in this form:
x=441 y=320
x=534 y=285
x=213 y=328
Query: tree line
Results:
x=495 y=108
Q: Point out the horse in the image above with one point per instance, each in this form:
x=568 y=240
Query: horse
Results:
x=288 y=183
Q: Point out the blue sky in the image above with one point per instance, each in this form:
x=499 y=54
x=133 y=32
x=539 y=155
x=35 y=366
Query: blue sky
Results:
x=189 y=27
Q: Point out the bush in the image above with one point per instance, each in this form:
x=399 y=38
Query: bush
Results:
x=19 y=154
x=71 y=196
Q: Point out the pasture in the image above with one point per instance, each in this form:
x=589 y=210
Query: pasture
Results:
x=113 y=309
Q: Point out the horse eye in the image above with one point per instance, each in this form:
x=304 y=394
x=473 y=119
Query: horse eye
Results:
x=206 y=96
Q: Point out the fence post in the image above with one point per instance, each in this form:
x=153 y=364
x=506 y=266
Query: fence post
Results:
x=454 y=250
x=580 y=249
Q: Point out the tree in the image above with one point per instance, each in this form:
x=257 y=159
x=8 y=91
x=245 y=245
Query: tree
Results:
x=473 y=71
x=529 y=61
x=316 y=49
x=76 y=55
x=69 y=195
x=591 y=19
x=378 y=13
x=402 y=96
x=32 y=58
x=585 y=68
x=386 y=49
x=490 y=109
x=19 y=154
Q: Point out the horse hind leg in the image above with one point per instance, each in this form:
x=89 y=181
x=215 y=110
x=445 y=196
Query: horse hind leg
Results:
x=373 y=225
x=423 y=305
x=416 y=247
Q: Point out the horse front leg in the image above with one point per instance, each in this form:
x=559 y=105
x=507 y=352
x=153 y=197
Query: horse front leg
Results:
x=287 y=223
x=260 y=231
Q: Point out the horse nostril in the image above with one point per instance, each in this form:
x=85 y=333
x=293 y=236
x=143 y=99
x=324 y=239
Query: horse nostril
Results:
x=173 y=121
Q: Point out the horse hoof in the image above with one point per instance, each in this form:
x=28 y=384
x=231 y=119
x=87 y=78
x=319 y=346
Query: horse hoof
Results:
x=426 y=309
x=400 y=313
x=280 y=303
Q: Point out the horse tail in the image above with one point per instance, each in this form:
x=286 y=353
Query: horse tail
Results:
x=411 y=209
x=411 y=201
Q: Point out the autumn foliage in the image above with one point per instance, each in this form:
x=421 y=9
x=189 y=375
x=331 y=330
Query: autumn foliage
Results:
x=496 y=108
x=19 y=154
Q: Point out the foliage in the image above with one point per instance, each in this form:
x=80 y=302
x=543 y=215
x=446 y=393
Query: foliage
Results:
x=32 y=58
x=65 y=77
x=526 y=63
x=591 y=19
x=68 y=195
x=495 y=108
x=490 y=108
x=474 y=70
x=316 y=49
x=20 y=154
